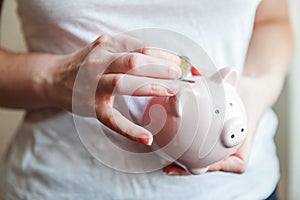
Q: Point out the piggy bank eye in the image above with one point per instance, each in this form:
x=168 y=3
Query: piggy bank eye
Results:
x=231 y=104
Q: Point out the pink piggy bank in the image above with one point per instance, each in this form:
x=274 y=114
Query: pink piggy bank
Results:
x=204 y=123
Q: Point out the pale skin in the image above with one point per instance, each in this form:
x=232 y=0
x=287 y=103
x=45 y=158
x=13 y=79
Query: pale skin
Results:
x=34 y=80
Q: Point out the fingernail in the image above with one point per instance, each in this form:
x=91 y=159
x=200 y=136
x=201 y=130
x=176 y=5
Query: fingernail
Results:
x=145 y=139
x=195 y=71
x=173 y=173
x=170 y=92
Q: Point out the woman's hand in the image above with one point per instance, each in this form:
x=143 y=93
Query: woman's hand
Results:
x=118 y=65
x=86 y=81
x=251 y=91
x=235 y=163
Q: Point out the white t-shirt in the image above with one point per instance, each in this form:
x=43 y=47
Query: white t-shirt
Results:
x=47 y=160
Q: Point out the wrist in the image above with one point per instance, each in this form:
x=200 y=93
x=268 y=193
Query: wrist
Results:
x=44 y=78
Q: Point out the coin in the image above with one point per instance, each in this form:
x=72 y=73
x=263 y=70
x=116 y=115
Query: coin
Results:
x=185 y=66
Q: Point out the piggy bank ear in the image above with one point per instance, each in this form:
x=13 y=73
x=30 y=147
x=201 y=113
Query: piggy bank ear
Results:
x=225 y=75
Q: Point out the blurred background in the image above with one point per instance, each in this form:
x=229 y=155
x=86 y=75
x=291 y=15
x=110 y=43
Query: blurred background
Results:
x=287 y=107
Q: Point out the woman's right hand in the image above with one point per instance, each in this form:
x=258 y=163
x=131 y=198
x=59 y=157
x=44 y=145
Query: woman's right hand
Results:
x=118 y=65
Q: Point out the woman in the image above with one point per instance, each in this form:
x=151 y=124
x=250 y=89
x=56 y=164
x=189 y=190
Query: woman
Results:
x=46 y=159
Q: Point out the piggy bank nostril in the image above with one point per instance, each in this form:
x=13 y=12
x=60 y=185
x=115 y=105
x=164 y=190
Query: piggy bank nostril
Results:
x=233 y=133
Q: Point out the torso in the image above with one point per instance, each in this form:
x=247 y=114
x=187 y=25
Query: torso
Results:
x=51 y=156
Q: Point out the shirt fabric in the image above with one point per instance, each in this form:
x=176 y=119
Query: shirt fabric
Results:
x=46 y=159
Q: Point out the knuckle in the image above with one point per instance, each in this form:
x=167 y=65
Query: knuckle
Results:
x=154 y=88
x=144 y=50
x=108 y=84
x=132 y=60
x=102 y=39
x=115 y=83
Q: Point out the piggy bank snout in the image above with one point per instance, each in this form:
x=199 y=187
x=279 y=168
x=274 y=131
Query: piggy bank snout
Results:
x=233 y=133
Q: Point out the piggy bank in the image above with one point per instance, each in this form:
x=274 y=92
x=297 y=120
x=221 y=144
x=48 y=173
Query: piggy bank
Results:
x=203 y=123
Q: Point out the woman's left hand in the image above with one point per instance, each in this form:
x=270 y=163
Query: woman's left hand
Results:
x=235 y=163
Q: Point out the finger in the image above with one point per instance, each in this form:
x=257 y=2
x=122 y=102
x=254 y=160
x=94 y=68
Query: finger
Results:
x=143 y=65
x=123 y=43
x=126 y=43
x=175 y=170
x=232 y=164
x=216 y=166
x=236 y=163
x=102 y=40
x=117 y=122
x=124 y=84
x=161 y=54
x=81 y=54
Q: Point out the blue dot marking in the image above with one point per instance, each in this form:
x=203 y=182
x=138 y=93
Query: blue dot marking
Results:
x=231 y=104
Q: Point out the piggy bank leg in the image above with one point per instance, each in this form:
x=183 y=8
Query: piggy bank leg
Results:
x=197 y=171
